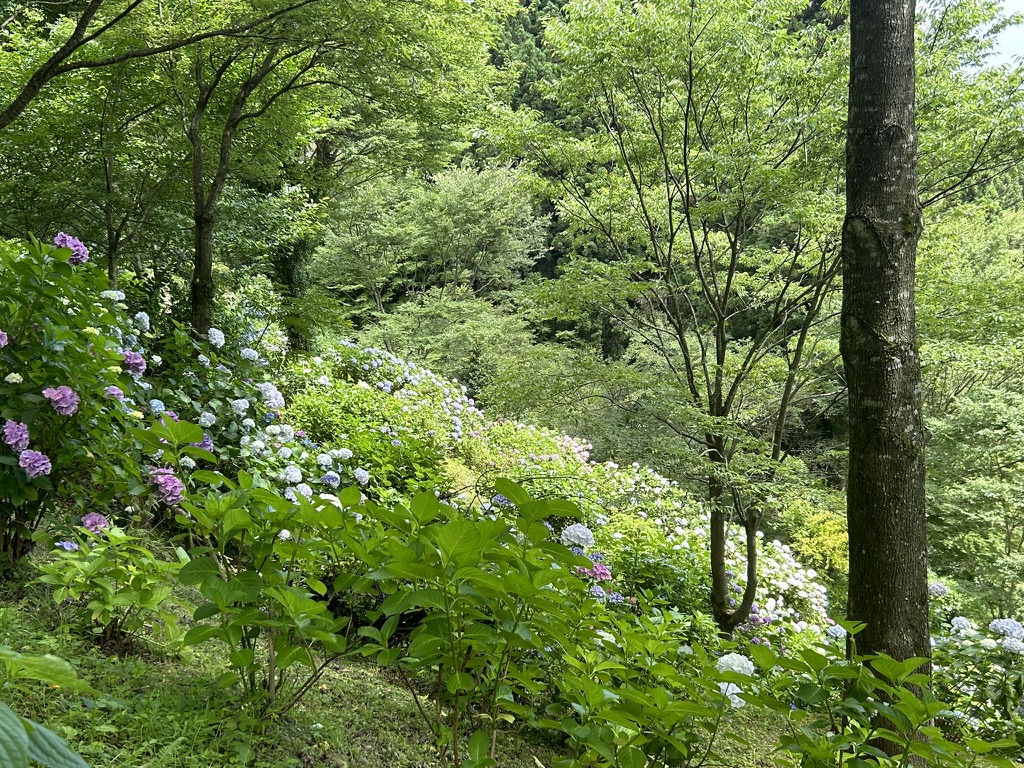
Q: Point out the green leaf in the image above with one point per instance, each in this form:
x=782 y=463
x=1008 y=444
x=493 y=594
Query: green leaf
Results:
x=49 y=749
x=425 y=507
x=350 y=497
x=13 y=739
x=46 y=668
x=201 y=634
x=197 y=571
x=631 y=757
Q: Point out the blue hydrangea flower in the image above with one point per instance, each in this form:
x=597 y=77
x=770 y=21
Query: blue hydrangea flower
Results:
x=361 y=475
x=333 y=479
x=1007 y=627
x=157 y=406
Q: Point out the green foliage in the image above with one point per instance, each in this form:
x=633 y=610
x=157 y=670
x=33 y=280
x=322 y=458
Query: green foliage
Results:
x=22 y=741
x=263 y=601
x=119 y=586
x=59 y=331
x=463 y=338
x=465 y=233
x=976 y=528
x=399 y=451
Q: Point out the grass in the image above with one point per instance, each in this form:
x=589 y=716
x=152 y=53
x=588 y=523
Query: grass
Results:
x=162 y=710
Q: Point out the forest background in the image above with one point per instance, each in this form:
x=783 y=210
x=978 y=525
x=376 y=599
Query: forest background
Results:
x=620 y=223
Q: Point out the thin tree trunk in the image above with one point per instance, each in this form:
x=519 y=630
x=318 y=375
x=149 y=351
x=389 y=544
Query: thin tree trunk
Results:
x=885 y=494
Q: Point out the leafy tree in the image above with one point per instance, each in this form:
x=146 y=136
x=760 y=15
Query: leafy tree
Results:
x=701 y=207
x=463 y=232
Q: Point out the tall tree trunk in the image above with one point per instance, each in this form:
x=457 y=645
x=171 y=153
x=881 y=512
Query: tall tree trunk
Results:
x=885 y=495
x=202 y=293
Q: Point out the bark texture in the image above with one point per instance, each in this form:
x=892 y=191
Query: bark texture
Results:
x=885 y=496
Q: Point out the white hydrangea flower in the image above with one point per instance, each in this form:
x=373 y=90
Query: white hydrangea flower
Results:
x=207 y=419
x=735 y=662
x=187 y=462
x=248 y=423
x=285 y=453
x=361 y=475
x=249 y=354
x=216 y=337
x=14 y=378
x=577 y=535
x=291 y=474
x=240 y=406
x=324 y=460
x=305 y=490
x=141 y=321
x=204 y=361
x=733 y=691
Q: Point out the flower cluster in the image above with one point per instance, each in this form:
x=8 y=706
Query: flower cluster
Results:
x=169 y=487
x=63 y=399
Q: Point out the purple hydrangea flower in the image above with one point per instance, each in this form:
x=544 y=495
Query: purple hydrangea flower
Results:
x=134 y=362
x=79 y=255
x=168 y=486
x=3 y=339
x=67 y=546
x=114 y=392
x=63 y=399
x=333 y=479
x=94 y=522
x=16 y=435
x=35 y=463
x=206 y=445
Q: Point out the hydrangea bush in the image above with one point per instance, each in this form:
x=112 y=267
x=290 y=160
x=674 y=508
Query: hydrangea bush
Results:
x=66 y=380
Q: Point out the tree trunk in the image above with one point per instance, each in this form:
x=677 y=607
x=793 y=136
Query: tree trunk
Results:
x=202 y=292
x=885 y=494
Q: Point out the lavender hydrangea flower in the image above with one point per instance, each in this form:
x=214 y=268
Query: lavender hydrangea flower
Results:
x=938 y=589
x=206 y=444
x=216 y=337
x=836 y=632
x=67 y=546
x=361 y=475
x=134 y=362
x=114 y=392
x=35 y=463
x=16 y=435
x=167 y=485
x=79 y=253
x=94 y=522
x=4 y=339
x=63 y=399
